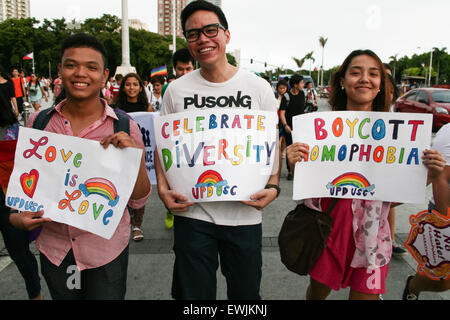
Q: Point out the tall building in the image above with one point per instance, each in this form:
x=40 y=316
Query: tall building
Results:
x=14 y=9
x=165 y=15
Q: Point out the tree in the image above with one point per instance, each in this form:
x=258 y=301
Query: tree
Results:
x=299 y=62
x=394 y=59
x=309 y=56
x=323 y=41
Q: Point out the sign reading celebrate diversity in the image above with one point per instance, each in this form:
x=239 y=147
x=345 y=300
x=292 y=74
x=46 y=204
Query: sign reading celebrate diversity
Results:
x=216 y=155
x=145 y=122
x=362 y=155
x=75 y=181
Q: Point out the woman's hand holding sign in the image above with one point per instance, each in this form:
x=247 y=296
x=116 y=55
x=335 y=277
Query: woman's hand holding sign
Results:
x=297 y=152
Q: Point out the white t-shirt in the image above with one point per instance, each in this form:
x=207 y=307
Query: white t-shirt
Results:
x=441 y=143
x=192 y=92
x=155 y=102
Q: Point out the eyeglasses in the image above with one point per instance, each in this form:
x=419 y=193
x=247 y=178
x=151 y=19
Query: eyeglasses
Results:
x=210 y=31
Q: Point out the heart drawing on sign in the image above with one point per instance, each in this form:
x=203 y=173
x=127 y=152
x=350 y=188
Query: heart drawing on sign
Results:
x=29 y=181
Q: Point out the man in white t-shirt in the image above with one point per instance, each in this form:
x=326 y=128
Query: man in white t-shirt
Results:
x=231 y=230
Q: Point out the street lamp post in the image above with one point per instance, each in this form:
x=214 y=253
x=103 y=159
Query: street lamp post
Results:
x=431 y=65
x=126 y=67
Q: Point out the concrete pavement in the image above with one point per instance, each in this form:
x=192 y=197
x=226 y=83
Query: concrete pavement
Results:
x=151 y=260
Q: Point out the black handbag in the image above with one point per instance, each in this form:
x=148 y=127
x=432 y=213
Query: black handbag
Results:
x=303 y=237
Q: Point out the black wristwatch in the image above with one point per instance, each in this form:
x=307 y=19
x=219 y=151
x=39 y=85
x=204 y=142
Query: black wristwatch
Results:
x=274 y=186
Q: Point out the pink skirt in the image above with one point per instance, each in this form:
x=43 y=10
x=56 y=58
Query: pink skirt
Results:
x=333 y=267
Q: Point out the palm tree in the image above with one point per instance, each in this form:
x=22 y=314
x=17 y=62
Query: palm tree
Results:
x=394 y=57
x=309 y=56
x=323 y=42
x=299 y=62
x=438 y=55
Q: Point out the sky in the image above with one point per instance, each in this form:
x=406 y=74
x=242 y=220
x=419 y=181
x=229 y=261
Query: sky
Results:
x=275 y=31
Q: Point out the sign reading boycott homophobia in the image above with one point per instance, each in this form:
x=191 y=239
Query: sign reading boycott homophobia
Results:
x=75 y=181
x=362 y=155
x=216 y=155
x=145 y=121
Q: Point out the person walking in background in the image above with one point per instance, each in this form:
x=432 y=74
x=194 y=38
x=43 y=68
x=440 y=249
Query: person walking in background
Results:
x=440 y=202
x=311 y=97
x=19 y=89
x=295 y=107
x=280 y=94
x=57 y=87
x=348 y=259
x=36 y=92
x=132 y=98
x=7 y=89
x=16 y=240
x=155 y=97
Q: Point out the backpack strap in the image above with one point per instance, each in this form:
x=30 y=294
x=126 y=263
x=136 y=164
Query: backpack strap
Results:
x=122 y=124
x=42 y=119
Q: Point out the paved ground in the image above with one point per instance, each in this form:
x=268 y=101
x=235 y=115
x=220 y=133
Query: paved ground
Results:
x=151 y=261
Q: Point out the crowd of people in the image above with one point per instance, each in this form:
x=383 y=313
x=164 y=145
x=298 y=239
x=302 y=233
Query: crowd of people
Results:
x=205 y=234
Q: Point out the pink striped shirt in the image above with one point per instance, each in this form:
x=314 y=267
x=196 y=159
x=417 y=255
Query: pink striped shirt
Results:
x=56 y=239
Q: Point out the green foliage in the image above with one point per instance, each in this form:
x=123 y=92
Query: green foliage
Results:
x=412 y=66
x=148 y=50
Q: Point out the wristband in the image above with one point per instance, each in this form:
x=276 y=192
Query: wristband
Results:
x=274 y=186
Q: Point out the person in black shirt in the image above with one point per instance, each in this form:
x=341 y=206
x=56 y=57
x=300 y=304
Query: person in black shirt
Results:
x=7 y=89
x=288 y=110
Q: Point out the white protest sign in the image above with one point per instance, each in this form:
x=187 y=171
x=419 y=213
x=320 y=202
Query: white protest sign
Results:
x=145 y=121
x=362 y=155
x=217 y=155
x=75 y=181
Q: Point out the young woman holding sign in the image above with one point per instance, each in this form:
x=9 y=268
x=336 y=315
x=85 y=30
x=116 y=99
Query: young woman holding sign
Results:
x=356 y=255
x=132 y=98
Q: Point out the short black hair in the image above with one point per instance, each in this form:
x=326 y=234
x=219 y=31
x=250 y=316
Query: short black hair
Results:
x=295 y=79
x=197 y=5
x=82 y=40
x=184 y=56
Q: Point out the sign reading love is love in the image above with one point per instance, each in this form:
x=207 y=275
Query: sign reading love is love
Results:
x=216 y=155
x=362 y=155
x=75 y=181
x=145 y=121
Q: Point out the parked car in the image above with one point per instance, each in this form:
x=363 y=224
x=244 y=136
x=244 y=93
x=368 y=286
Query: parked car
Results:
x=427 y=100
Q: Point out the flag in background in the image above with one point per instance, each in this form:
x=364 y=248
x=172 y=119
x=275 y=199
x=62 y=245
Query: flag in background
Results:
x=29 y=56
x=159 y=71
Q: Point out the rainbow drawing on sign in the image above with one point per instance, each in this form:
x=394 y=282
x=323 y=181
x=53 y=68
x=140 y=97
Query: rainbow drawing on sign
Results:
x=210 y=178
x=352 y=182
x=209 y=184
x=102 y=187
x=351 y=179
